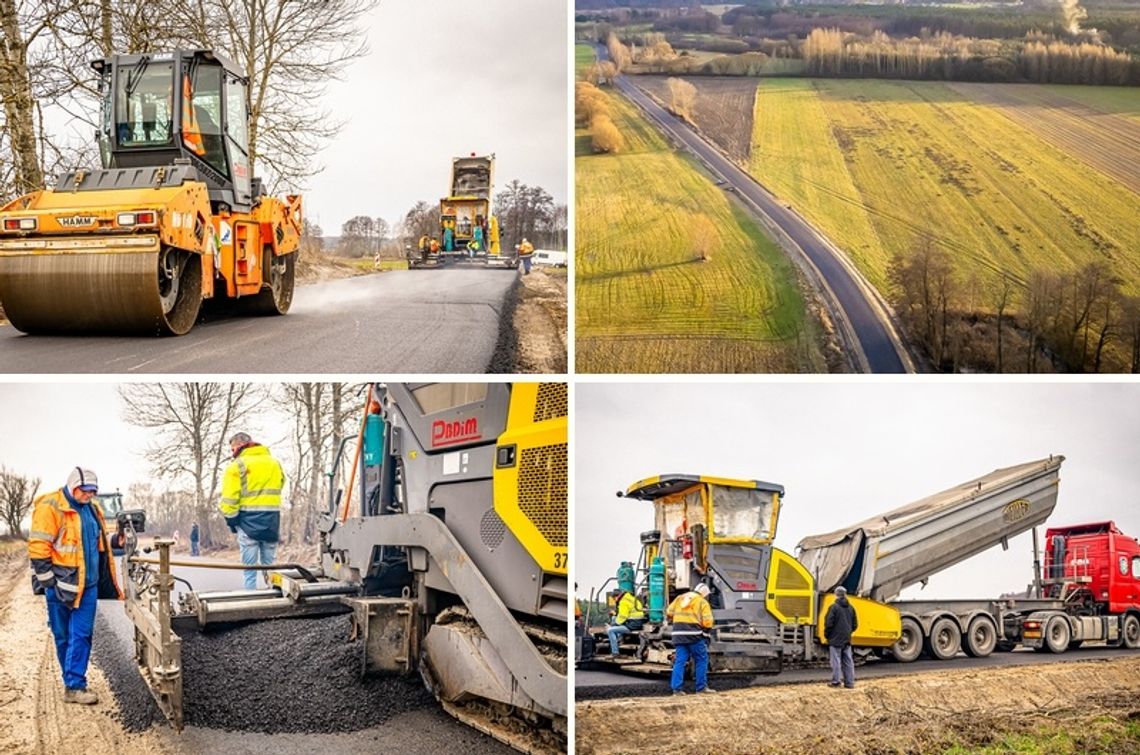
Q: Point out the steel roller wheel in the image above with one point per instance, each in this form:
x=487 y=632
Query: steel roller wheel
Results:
x=909 y=644
x=980 y=638
x=144 y=293
x=945 y=639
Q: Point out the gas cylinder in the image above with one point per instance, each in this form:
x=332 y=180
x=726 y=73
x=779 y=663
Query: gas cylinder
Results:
x=657 y=590
x=373 y=440
x=626 y=576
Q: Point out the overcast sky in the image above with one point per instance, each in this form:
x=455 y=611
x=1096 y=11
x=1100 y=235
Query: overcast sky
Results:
x=848 y=452
x=48 y=428
x=446 y=78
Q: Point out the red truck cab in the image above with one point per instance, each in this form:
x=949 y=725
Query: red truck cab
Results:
x=1096 y=560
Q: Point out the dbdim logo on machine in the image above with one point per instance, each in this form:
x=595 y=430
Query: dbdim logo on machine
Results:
x=444 y=433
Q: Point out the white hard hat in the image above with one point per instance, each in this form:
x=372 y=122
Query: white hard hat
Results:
x=702 y=589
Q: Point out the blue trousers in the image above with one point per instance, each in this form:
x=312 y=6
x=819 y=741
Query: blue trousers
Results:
x=194 y=548
x=699 y=652
x=615 y=631
x=842 y=661
x=72 y=629
x=253 y=552
x=526 y=264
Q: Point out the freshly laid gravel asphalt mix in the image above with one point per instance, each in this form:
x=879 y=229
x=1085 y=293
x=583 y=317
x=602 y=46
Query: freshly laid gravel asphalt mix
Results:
x=286 y=675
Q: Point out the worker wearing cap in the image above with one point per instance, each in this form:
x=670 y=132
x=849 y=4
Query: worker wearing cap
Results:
x=71 y=561
x=630 y=618
x=838 y=626
x=251 y=502
x=526 y=251
x=691 y=616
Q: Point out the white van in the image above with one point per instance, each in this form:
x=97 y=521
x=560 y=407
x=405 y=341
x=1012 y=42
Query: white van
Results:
x=549 y=257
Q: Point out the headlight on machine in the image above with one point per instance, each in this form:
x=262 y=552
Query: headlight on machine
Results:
x=20 y=224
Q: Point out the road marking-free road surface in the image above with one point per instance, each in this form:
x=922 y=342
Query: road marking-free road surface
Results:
x=405 y=321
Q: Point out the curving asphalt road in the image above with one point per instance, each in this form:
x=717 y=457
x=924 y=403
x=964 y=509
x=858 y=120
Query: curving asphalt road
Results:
x=592 y=685
x=880 y=351
x=405 y=321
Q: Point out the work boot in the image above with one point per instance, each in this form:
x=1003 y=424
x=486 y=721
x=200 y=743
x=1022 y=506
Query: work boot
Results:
x=80 y=696
x=833 y=684
x=708 y=689
x=677 y=692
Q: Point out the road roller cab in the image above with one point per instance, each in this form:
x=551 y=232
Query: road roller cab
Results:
x=174 y=216
x=187 y=105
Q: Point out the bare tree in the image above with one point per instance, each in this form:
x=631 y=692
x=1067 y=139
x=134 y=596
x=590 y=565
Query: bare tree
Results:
x=16 y=495
x=319 y=424
x=421 y=220
x=192 y=423
x=605 y=136
x=290 y=49
x=682 y=97
x=20 y=27
x=1001 y=303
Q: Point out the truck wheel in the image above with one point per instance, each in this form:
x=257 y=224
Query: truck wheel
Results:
x=980 y=638
x=945 y=640
x=1057 y=634
x=909 y=644
x=1131 y=631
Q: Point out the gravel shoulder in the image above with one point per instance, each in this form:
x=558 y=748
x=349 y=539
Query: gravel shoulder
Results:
x=1092 y=704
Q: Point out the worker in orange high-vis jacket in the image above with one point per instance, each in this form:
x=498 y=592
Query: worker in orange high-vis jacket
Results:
x=691 y=617
x=71 y=560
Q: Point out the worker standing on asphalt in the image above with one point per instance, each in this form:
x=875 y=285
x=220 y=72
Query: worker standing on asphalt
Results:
x=251 y=502
x=71 y=559
x=630 y=618
x=195 y=537
x=691 y=616
x=477 y=237
x=526 y=251
x=838 y=626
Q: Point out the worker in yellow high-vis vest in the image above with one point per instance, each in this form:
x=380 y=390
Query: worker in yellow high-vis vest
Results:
x=251 y=502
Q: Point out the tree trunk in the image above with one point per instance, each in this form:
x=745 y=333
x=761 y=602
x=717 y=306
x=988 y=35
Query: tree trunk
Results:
x=19 y=105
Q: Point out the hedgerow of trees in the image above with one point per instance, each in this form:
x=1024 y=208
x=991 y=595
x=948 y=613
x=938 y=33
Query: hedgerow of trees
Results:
x=1052 y=321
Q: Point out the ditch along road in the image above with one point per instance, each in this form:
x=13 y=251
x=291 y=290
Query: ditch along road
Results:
x=289 y=687
x=871 y=336
x=407 y=321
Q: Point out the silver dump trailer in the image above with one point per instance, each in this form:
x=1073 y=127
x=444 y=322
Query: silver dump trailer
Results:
x=880 y=556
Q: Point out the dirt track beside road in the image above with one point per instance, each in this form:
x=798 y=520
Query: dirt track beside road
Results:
x=1090 y=702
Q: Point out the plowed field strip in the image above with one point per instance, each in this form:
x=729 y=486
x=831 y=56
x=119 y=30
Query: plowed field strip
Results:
x=1106 y=141
x=722 y=110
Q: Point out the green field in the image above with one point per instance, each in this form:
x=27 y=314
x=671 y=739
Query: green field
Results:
x=645 y=300
x=583 y=59
x=878 y=164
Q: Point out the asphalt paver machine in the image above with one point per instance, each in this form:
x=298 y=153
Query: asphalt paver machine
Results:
x=448 y=548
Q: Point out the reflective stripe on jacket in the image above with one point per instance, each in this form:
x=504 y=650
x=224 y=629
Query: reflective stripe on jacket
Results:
x=690 y=615
x=251 y=494
x=629 y=607
x=55 y=547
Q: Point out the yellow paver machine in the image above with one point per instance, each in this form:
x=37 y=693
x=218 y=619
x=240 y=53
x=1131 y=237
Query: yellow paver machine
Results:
x=768 y=614
x=173 y=218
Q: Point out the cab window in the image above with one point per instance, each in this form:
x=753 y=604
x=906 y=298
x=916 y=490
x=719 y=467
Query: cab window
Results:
x=144 y=105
